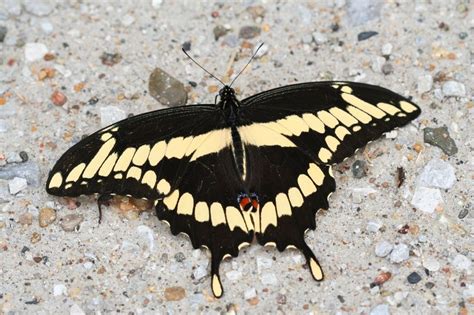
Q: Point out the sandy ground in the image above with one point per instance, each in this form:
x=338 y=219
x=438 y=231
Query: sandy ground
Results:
x=384 y=249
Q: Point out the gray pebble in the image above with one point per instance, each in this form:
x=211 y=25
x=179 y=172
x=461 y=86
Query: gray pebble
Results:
x=426 y=199
x=383 y=248
x=231 y=40
x=461 y=262
x=362 y=11
x=200 y=272
x=387 y=68
x=381 y=309
x=179 y=257
x=71 y=222
x=464 y=212
x=366 y=35
x=23 y=156
x=249 y=32
x=250 y=293
x=462 y=35
x=219 y=31
x=13 y=157
x=453 y=88
x=3 y=33
x=38 y=7
x=440 y=137
x=399 y=253
x=359 y=169
x=373 y=226
x=424 y=83
x=16 y=185
x=28 y=170
x=110 y=115
x=438 y=174
x=319 y=38
x=166 y=89
x=414 y=278
x=46 y=27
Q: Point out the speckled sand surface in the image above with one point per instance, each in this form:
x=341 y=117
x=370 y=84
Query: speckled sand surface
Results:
x=420 y=233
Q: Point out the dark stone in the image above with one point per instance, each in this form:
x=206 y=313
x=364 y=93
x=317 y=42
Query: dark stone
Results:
x=462 y=35
x=219 y=31
x=341 y=298
x=193 y=84
x=3 y=33
x=429 y=285
x=179 y=257
x=109 y=59
x=440 y=138
x=387 y=68
x=366 y=35
x=187 y=45
x=166 y=89
x=281 y=299
x=93 y=100
x=24 y=156
x=248 y=32
x=414 y=278
x=359 y=169
x=464 y=212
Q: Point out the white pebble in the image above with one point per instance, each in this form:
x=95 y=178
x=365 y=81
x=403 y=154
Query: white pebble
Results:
x=46 y=27
x=59 y=289
x=373 y=226
x=383 y=248
x=269 y=279
x=438 y=174
x=424 y=83
x=148 y=233
x=127 y=20
x=88 y=265
x=233 y=275
x=250 y=293
x=387 y=49
x=35 y=51
x=381 y=309
x=263 y=263
x=76 y=310
x=399 y=253
x=391 y=134
x=110 y=115
x=200 y=272
x=426 y=199
x=156 y=4
x=453 y=88
x=377 y=64
x=461 y=262
x=431 y=264
x=16 y=185
x=319 y=38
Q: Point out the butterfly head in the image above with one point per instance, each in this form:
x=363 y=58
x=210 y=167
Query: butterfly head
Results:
x=226 y=93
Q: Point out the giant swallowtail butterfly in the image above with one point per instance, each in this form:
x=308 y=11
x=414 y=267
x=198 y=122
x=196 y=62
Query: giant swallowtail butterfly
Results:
x=228 y=172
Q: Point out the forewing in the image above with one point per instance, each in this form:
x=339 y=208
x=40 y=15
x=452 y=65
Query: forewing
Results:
x=327 y=120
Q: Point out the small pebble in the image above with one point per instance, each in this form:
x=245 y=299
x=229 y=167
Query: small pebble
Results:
x=35 y=238
x=110 y=59
x=46 y=216
x=269 y=279
x=429 y=285
x=13 y=157
x=440 y=137
x=399 y=253
x=249 y=32
x=383 y=248
x=3 y=33
x=179 y=257
x=382 y=278
x=59 y=289
x=71 y=222
x=462 y=35
x=373 y=226
x=453 y=88
x=174 y=293
x=381 y=309
x=366 y=35
x=38 y=7
x=359 y=169
x=431 y=264
x=16 y=185
x=281 y=299
x=166 y=89
x=424 y=83
x=414 y=278
x=110 y=115
x=231 y=40
x=58 y=98
x=387 y=68
x=46 y=27
x=250 y=293
x=426 y=199
x=463 y=213
x=437 y=174
x=219 y=31
x=461 y=262
x=319 y=38
x=35 y=51
x=26 y=219
x=387 y=49
x=200 y=272
x=24 y=156
x=156 y=4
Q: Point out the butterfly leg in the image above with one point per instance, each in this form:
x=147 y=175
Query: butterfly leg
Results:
x=313 y=264
x=101 y=201
x=216 y=283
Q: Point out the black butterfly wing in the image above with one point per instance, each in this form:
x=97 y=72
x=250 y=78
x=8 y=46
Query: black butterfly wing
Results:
x=329 y=120
x=139 y=156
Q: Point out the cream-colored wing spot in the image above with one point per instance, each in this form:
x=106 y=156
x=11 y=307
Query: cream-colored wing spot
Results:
x=324 y=155
x=149 y=178
x=363 y=105
x=356 y=128
x=359 y=115
x=201 y=212
x=75 y=173
x=316 y=174
x=268 y=216
x=118 y=176
x=295 y=124
x=195 y=143
x=56 y=181
x=278 y=128
x=235 y=219
x=328 y=119
x=401 y=115
x=407 y=107
x=282 y=205
x=316 y=270
x=163 y=186
x=175 y=148
x=341 y=132
x=314 y=122
x=99 y=158
x=346 y=89
x=171 y=200
x=115 y=129
x=68 y=186
x=259 y=135
x=388 y=108
x=295 y=196
x=186 y=204
x=332 y=143
x=214 y=142
x=105 y=136
x=344 y=117
x=124 y=159
x=157 y=153
x=134 y=172
x=217 y=214
x=335 y=86
x=141 y=155
x=306 y=185
x=108 y=165
x=216 y=286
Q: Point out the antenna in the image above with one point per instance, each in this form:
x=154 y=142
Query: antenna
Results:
x=201 y=66
x=253 y=56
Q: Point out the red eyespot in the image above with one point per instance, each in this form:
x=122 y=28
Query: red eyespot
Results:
x=255 y=204
x=244 y=203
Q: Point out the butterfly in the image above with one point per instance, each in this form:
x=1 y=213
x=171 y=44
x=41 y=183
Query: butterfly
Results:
x=229 y=172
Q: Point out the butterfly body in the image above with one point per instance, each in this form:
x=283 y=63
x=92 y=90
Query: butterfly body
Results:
x=228 y=172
